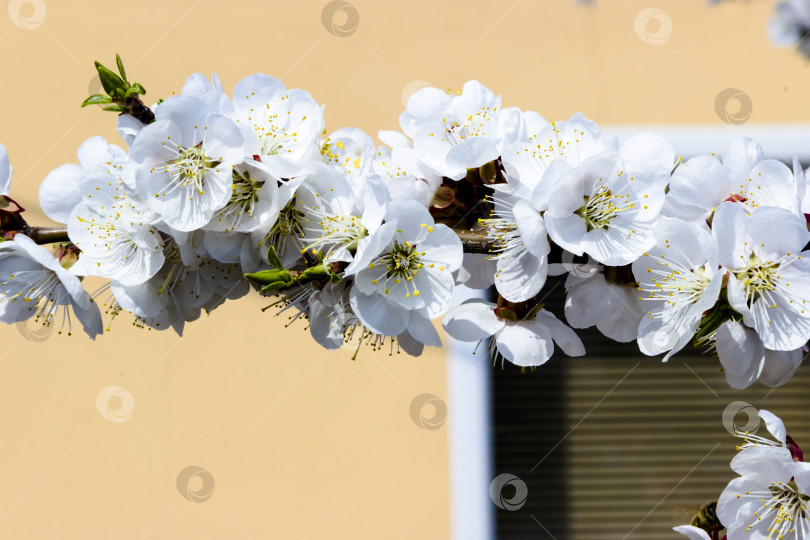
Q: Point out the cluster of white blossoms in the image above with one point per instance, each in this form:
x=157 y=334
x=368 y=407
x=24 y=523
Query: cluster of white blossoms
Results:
x=771 y=497
x=220 y=192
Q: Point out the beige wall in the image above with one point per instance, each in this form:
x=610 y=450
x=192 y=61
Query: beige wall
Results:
x=300 y=443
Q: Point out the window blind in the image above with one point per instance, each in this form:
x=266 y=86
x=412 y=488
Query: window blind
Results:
x=616 y=445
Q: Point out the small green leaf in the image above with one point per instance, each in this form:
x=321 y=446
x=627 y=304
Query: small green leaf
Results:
x=277 y=286
x=137 y=89
x=273 y=259
x=96 y=99
x=112 y=83
x=114 y=108
x=315 y=273
x=270 y=276
x=120 y=66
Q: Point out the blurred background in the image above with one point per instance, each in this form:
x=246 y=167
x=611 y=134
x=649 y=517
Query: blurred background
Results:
x=245 y=429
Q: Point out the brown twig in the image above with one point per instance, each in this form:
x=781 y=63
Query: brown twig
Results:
x=46 y=235
x=474 y=241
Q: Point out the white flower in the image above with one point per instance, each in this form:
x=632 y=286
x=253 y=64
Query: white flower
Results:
x=769 y=499
x=477 y=271
x=564 y=144
x=60 y=192
x=5 y=171
x=606 y=206
x=352 y=153
x=351 y=150
x=408 y=263
x=520 y=244
x=745 y=359
x=333 y=323
x=769 y=274
x=700 y=184
x=211 y=93
x=128 y=128
x=226 y=279
x=115 y=236
x=285 y=234
x=186 y=284
x=678 y=281
x=454 y=133
x=332 y=224
x=403 y=276
x=403 y=176
x=253 y=202
x=185 y=162
x=527 y=342
x=34 y=284
x=331 y=320
x=412 y=327
x=612 y=307
x=281 y=126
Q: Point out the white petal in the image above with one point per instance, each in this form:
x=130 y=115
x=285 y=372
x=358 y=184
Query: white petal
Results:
x=765 y=464
x=775 y=425
x=423 y=330
x=90 y=317
x=622 y=325
x=378 y=314
x=648 y=152
x=563 y=336
x=370 y=247
x=740 y=157
x=583 y=304
x=142 y=300
x=693 y=533
x=59 y=192
x=696 y=187
x=780 y=366
x=472 y=153
x=409 y=344
x=525 y=344
x=473 y=320
x=741 y=354
x=520 y=276
x=532 y=228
